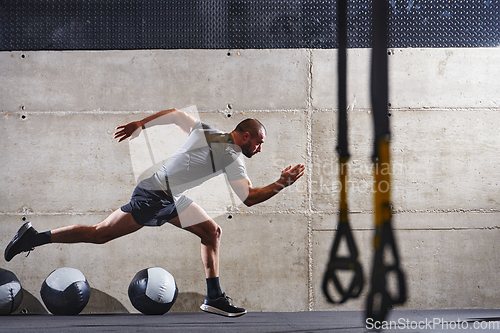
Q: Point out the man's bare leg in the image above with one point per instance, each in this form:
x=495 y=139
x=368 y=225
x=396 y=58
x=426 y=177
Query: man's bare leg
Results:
x=209 y=232
x=115 y=225
x=200 y=224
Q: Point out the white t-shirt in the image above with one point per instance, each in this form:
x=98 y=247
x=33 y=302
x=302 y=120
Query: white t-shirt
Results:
x=206 y=153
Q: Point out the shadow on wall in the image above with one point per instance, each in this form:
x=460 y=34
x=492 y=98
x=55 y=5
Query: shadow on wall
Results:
x=188 y=302
x=100 y=302
x=30 y=305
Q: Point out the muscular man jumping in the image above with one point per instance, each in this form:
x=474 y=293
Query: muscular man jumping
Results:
x=206 y=153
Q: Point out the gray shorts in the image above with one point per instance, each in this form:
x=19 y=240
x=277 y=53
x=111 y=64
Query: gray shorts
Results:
x=154 y=207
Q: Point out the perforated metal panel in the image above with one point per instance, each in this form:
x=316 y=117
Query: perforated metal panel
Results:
x=226 y=24
x=448 y=23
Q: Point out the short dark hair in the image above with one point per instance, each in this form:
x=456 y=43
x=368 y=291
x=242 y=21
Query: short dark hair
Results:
x=250 y=125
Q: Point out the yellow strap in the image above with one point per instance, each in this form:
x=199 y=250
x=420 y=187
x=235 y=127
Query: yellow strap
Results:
x=343 y=190
x=382 y=183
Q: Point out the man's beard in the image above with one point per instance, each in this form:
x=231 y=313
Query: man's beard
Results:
x=245 y=149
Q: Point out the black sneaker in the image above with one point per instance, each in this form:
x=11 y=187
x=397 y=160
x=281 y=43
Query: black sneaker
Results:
x=222 y=306
x=20 y=242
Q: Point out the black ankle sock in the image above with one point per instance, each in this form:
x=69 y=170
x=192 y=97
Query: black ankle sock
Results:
x=40 y=238
x=213 y=288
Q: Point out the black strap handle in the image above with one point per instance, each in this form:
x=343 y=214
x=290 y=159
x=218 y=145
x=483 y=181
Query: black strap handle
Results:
x=348 y=263
x=380 y=300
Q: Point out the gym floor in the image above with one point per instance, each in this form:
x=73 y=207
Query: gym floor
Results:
x=256 y=322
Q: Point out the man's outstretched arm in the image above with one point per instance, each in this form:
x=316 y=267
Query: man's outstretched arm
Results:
x=172 y=116
x=254 y=195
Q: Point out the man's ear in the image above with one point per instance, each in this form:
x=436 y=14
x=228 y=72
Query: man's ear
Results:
x=246 y=137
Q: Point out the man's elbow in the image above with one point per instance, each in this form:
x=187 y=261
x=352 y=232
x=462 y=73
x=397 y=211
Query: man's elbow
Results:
x=249 y=202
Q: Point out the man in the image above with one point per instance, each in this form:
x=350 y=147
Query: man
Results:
x=159 y=199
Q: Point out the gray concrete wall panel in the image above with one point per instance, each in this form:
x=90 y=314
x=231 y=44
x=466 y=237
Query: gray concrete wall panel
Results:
x=446 y=258
x=66 y=161
x=152 y=80
x=63 y=162
x=419 y=78
x=253 y=271
x=442 y=160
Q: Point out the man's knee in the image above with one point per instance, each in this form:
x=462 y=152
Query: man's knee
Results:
x=214 y=231
x=209 y=232
x=218 y=231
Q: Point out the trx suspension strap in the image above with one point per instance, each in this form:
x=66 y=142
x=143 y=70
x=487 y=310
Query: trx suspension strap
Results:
x=386 y=259
x=350 y=262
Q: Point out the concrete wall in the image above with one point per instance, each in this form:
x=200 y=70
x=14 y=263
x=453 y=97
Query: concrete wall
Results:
x=60 y=166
